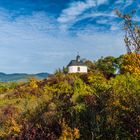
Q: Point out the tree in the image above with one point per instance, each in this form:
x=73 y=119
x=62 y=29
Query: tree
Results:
x=91 y=66
x=108 y=65
x=132 y=32
x=131 y=63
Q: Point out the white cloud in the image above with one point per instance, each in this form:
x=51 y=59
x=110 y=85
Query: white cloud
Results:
x=99 y=2
x=75 y=12
x=34 y=44
x=102 y=21
x=100 y=14
x=75 y=9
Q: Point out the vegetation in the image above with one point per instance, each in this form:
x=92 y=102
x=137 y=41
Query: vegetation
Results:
x=97 y=105
x=132 y=30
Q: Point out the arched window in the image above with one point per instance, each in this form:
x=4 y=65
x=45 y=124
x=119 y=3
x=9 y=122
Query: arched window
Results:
x=78 y=68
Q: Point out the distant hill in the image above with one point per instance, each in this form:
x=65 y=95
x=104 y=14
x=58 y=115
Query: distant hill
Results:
x=21 y=76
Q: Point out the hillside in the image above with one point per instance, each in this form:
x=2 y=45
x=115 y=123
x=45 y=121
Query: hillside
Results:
x=96 y=105
x=21 y=76
x=99 y=105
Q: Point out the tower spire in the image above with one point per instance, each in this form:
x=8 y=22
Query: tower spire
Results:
x=78 y=57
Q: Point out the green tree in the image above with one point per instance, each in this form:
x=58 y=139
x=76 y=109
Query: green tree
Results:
x=108 y=65
x=91 y=66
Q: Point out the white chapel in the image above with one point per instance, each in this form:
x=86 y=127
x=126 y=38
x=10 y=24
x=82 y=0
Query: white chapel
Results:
x=77 y=66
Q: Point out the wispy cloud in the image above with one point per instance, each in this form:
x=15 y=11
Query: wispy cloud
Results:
x=34 y=44
x=78 y=11
x=37 y=42
x=99 y=2
x=73 y=12
x=75 y=9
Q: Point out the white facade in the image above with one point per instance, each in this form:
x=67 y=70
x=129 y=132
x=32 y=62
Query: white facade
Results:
x=77 y=69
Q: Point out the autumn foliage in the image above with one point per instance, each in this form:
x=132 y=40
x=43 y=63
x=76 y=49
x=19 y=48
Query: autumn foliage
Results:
x=73 y=106
x=131 y=63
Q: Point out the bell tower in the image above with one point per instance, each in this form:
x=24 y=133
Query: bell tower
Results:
x=78 y=58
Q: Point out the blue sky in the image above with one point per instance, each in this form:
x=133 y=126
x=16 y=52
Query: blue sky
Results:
x=43 y=35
